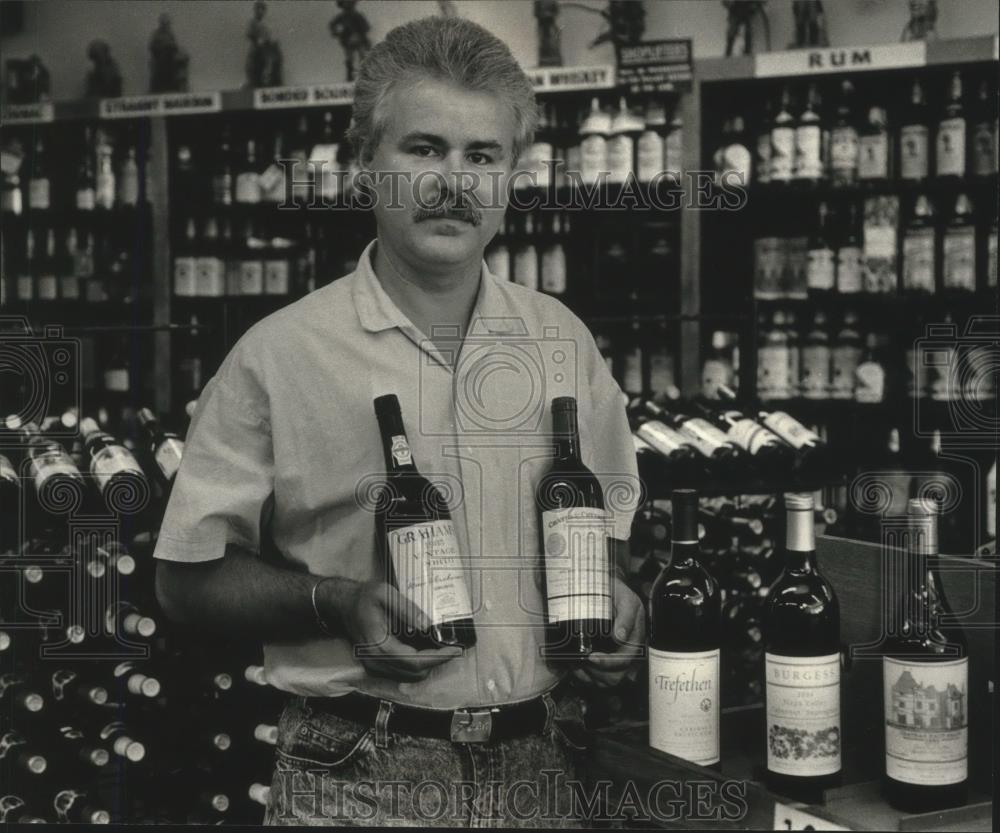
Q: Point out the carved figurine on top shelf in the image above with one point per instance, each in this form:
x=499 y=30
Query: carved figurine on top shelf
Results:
x=28 y=81
x=448 y=8
x=922 y=24
x=549 y=33
x=739 y=23
x=168 y=62
x=264 y=60
x=810 y=24
x=104 y=79
x=350 y=27
x=626 y=23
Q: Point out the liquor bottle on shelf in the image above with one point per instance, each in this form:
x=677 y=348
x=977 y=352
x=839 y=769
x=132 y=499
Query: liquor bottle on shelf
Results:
x=251 y=261
x=816 y=360
x=719 y=366
x=821 y=267
x=553 y=259
x=919 y=248
x=914 y=151
x=673 y=145
x=128 y=180
x=632 y=372
x=39 y=188
x=303 y=180
x=802 y=667
x=989 y=512
x=925 y=680
x=650 y=146
x=105 y=181
x=661 y=363
x=86 y=179
x=809 y=139
x=624 y=132
x=574 y=529
x=47 y=281
x=774 y=380
x=845 y=356
x=120 y=479
x=722 y=456
x=278 y=266
x=247 y=186
x=850 y=272
x=762 y=145
x=770 y=455
x=733 y=161
x=69 y=282
x=185 y=262
x=594 y=143
x=782 y=161
x=209 y=268
x=526 y=256
x=416 y=540
x=166 y=447
x=875 y=150
x=844 y=144
x=222 y=171
x=958 y=266
x=949 y=157
x=685 y=637
x=25 y=289
x=984 y=132
x=991 y=251
x=869 y=381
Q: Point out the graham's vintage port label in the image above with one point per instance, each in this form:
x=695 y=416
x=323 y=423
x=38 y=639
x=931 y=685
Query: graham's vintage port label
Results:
x=684 y=704
x=803 y=714
x=926 y=721
x=577 y=569
x=429 y=570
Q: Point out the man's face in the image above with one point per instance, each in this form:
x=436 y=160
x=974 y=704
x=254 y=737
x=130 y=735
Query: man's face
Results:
x=441 y=171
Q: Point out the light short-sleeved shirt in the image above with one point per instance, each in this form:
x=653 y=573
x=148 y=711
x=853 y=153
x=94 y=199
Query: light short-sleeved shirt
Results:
x=290 y=414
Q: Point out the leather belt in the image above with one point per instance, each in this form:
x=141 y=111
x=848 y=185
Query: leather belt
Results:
x=481 y=724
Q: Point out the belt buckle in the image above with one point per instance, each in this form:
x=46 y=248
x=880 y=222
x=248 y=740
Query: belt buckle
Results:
x=471 y=725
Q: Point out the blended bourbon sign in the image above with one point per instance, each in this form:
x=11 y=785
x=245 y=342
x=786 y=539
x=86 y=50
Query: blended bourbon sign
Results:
x=654 y=66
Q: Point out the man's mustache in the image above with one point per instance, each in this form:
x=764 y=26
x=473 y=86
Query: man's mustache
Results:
x=462 y=213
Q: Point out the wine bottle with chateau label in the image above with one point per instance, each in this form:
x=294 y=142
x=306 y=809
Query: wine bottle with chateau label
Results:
x=574 y=529
x=685 y=637
x=802 y=667
x=416 y=538
x=925 y=681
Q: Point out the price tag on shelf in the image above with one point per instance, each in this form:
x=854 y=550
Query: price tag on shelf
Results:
x=787 y=817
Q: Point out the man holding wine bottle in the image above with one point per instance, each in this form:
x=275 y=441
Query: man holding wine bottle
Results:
x=413 y=485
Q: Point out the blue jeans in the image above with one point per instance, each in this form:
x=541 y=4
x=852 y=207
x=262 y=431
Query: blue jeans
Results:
x=332 y=771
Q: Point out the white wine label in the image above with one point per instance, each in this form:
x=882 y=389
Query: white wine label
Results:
x=843 y=150
x=577 y=566
x=821 y=269
x=950 y=156
x=112 y=460
x=751 y=436
x=918 y=260
x=791 y=430
x=809 y=152
x=620 y=159
x=650 y=156
x=869 y=382
x=926 y=721
x=873 y=157
x=429 y=570
x=251 y=277
x=38 y=193
x=400 y=451
x=50 y=464
x=554 y=269
x=772 y=371
x=803 y=714
x=276 y=274
x=105 y=191
x=816 y=372
x=86 y=199
x=684 y=704
x=69 y=287
x=593 y=158
x=673 y=153
x=782 y=153
x=844 y=362
x=661 y=437
x=248 y=188
x=849 y=271
x=762 y=165
x=210 y=277
x=913 y=151
x=703 y=435
x=25 y=288
x=116 y=379
x=185 y=281
x=48 y=288
x=959 y=270
x=168 y=456
x=984 y=148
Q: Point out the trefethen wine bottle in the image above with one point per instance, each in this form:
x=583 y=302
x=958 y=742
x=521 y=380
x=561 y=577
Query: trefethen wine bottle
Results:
x=925 y=681
x=802 y=667
x=416 y=540
x=574 y=529
x=685 y=637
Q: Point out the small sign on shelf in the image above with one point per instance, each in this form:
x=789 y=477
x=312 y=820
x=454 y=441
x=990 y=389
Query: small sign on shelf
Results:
x=654 y=66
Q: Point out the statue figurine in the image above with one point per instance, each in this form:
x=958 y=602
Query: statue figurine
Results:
x=447 y=8
x=810 y=24
x=351 y=27
x=28 y=81
x=626 y=23
x=264 y=58
x=923 y=21
x=549 y=33
x=104 y=79
x=168 y=62
x=740 y=22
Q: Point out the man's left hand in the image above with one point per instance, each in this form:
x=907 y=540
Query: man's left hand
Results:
x=606 y=670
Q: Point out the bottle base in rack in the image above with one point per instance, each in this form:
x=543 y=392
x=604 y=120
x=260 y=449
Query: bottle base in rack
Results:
x=923 y=798
x=809 y=790
x=578 y=639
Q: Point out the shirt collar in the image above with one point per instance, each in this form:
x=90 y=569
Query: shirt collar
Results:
x=492 y=314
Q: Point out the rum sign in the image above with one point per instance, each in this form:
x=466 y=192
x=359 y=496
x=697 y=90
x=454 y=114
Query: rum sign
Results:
x=852 y=59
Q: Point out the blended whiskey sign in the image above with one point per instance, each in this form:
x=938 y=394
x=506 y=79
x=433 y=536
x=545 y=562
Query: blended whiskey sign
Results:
x=654 y=66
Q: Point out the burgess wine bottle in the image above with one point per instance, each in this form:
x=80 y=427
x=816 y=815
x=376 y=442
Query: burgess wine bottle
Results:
x=574 y=529
x=416 y=539
x=925 y=675
x=685 y=624
x=802 y=667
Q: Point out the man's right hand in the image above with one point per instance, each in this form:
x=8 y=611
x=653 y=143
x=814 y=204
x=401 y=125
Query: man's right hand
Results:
x=365 y=610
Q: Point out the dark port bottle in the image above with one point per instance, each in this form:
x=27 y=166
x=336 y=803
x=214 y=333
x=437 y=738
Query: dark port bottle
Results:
x=685 y=638
x=802 y=667
x=925 y=674
x=416 y=537
x=574 y=529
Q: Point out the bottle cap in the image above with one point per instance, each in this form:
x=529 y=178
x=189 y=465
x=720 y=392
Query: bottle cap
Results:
x=564 y=403
x=799 y=501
